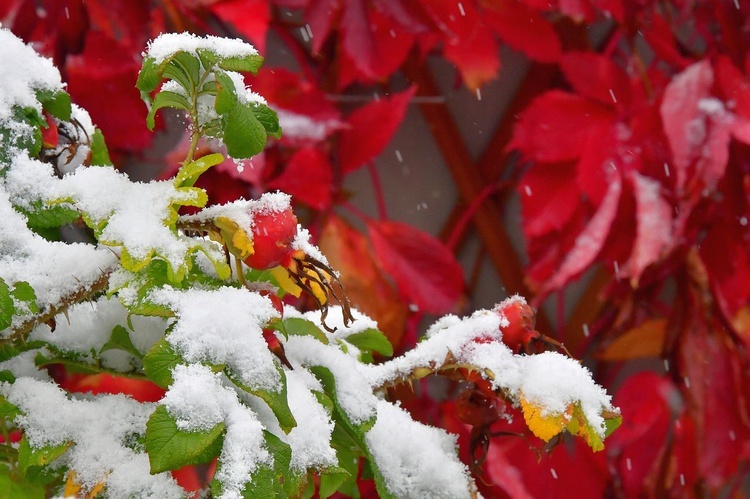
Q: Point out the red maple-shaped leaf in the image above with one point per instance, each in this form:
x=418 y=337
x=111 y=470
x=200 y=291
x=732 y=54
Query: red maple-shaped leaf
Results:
x=716 y=389
x=307 y=177
x=547 y=207
x=654 y=226
x=523 y=29
x=475 y=55
x=249 y=17
x=101 y=80
x=425 y=271
x=558 y=126
x=639 y=444
x=590 y=241
x=597 y=77
x=696 y=126
x=349 y=252
x=371 y=128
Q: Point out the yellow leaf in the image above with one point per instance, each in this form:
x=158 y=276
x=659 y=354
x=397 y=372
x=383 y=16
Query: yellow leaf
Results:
x=285 y=281
x=544 y=426
x=644 y=341
x=238 y=241
x=73 y=488
x=580 y=426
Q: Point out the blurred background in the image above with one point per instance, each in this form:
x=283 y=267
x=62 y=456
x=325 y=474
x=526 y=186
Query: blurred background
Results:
x=590 y=155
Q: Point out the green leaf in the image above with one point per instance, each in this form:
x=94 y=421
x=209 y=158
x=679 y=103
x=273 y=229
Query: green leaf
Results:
x=149 y=77
x=184 y=68
x=99 y=152
x=120 y=340
x=244 y=135
x=8 y=411
x=277 y=401
x=268 y=118
x=134 y=264
x=371 y=340
x=55 y=103
x=73 y=364
x=42 y=216
x=330 y=481
x=189 y=173
x=251 y=63
x=7 y=307
x=611 y=424
x=39 y=457
x=170 y=448
x=165 y=98
x=22 y=291
x=21 y=489
x=297 y=326
x=159 y=362
x=226 y=96
x=355 y=431
x=7 y=376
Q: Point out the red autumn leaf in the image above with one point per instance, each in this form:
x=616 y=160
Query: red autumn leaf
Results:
x=695 y=138
x=558 y=126
x=589 y=242
x=122 y=20
x=654 y=226
x=321 y=16
x=475 y=55
x=546 y=199
x=356 y=37
x=715 y=379
x=390 y=46
x=639 y=444
x=101 y=81
x=728 y=264
x=249 y=17
x=597 y=77
x=425 y=271
x=288 y=90
x=658 y=33
x=349 y=253
x=308 y=177
x=371 y=128
x=518 y=471
x=523 y=29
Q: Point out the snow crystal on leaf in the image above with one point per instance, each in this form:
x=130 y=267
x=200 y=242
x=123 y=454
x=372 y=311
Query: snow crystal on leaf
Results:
x=197 y=398
x=354 y=393
x=100 y=430
x=166 y=45
x=224 y=326
x=423 y=464
x=310 y=440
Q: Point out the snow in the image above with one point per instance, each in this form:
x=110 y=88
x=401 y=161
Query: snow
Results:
x=550 y=381
x=108 y=197
x=224 y=326
x=30 y=73
x=304 y=128
x=88 y=326
x=423 y=464
x=168 y=44
x=198 y=400
x=101 y=429
x=353 y=392
x=53 y=269
x=241 y=211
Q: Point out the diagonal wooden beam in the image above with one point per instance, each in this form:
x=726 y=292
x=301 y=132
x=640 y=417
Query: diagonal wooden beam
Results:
x=470 y=183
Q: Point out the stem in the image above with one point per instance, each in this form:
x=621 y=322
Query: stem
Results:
x=356 y=211
x=75 y=297
x=196 y=131
x=378 y=188
x=468 y=215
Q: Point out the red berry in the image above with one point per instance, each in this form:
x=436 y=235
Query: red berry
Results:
x=520 y=331
x=273 y=233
